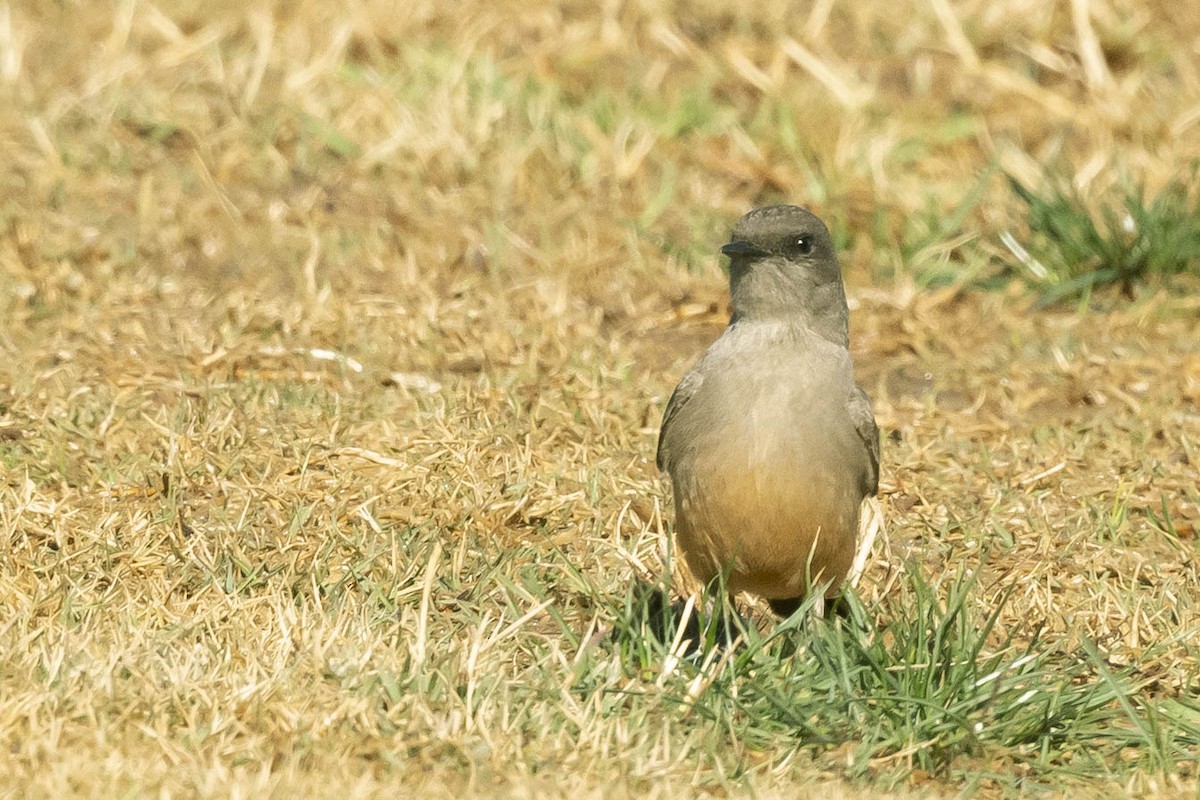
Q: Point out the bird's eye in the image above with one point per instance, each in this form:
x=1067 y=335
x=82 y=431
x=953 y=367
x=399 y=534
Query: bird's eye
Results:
x=804 y=245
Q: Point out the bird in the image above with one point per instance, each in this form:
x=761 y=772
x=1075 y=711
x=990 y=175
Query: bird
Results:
x=771 y=446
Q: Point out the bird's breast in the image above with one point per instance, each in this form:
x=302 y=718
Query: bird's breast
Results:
x=772 y=486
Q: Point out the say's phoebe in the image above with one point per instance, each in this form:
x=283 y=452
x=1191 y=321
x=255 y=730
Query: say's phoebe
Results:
x=771 y=446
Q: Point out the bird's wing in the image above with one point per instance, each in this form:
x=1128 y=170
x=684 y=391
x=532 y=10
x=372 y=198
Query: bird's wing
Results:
x=684 y=392
x=863 y=417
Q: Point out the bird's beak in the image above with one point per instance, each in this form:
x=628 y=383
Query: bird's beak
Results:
x=740 y=248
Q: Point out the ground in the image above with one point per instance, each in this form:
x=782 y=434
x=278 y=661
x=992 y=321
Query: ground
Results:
x=334 y=345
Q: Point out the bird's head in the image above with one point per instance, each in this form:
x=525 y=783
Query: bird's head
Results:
x=783 y=266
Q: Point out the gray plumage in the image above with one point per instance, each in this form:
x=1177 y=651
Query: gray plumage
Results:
x=770 y=445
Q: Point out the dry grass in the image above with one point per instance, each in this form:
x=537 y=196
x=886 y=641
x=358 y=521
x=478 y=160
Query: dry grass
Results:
x=334 y=343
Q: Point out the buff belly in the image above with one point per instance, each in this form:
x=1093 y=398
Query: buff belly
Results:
x=776 y=524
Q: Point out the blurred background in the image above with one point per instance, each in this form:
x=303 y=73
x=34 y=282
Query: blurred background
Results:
x=604 y=147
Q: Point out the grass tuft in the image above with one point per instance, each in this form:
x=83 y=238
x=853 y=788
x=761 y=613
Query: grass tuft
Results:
x=1128 y=239
x=913 y=684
